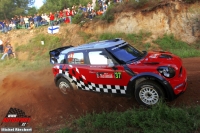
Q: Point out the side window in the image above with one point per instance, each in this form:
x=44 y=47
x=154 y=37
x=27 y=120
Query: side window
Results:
x=96 y=58
x=75 y=58
x=61 y=59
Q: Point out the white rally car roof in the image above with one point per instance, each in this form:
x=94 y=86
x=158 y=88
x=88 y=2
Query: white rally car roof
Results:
x=95 y=45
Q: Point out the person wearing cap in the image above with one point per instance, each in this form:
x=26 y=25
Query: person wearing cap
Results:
x=1 y=46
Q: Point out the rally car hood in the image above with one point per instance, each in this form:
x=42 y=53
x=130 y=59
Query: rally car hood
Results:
x=161 y=57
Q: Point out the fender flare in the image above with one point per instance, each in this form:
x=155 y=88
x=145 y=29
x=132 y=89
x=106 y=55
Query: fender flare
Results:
x=60 y=75
x=162 y=81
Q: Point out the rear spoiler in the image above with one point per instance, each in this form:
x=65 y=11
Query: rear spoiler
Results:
x=56 y=52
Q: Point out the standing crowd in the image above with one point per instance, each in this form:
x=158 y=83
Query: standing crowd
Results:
x=62 y=16
x=55 y=18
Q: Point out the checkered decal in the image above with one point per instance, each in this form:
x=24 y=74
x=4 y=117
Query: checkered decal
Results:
x=19 y=112
x=82 y=84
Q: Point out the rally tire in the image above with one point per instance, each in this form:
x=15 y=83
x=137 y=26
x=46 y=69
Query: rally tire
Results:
x=64 y=86
x=148 y=93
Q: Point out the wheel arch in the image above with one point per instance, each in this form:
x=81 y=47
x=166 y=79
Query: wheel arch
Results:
x=165 y=85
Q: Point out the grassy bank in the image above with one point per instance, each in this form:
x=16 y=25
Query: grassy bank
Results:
x=158 y=119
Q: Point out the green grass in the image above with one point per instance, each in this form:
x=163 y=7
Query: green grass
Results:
x=158 y=119
x=180 y=48
x=36 y=49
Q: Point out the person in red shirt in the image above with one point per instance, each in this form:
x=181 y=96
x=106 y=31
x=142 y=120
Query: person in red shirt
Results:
x=51 y=17
x=60 y=16
x=68 y=16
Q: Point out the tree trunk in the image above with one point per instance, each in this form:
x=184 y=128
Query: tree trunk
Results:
x=4 y=15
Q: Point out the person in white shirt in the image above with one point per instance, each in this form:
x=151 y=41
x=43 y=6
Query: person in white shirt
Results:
x=26 y=22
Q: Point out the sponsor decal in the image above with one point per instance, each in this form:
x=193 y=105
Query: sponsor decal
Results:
x=116 y=75
x=105 y=75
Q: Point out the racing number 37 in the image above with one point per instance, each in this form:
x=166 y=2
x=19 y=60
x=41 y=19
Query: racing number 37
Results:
x=117 y=75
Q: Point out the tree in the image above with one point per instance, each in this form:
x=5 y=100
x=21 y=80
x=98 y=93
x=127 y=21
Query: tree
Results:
x=57 y=5
x=32 y=11
x=9 y=8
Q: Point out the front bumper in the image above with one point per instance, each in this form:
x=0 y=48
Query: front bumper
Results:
x=180 y=84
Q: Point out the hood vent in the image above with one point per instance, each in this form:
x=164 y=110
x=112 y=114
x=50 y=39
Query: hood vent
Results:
x=151 y=63
x=165 y=56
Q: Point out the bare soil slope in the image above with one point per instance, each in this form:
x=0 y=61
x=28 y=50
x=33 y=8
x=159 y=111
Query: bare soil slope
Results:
x=36 y=94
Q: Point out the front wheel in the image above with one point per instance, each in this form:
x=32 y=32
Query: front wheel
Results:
x=64 y=85
x=148 y=93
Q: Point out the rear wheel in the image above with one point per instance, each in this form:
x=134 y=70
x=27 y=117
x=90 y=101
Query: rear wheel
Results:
x=148 y=93
x=64 y=85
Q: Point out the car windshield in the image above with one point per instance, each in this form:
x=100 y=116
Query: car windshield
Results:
x=126 y=53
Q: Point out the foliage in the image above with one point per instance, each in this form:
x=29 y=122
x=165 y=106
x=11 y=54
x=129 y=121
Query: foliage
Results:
x=57 y=5
x=159 y=118
x=32 y=11
x=180 y=48
x=9 y=8
x=191 y=1
x=77 y=18
x=109 y=14
x=36 y=50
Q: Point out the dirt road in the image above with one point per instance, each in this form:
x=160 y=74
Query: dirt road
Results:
x=36 y=94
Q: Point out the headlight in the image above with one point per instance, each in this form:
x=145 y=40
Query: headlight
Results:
x=166 y=71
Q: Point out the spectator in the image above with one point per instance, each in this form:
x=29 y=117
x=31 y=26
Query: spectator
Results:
x=68 y=15
x=17 y=21
x=89 y=9
x=84 y=9
x=99 y=12
x=92 y=14
x=35 y=20
x=94 y=3
x=48 y=19
x=12 y=26
x=1 y=47
x=60 y=17
x=21 y=20
x=32 y=26
x=100 y=6
x=10 y=51
x=56 y=17
x=109 y=2
x=104 y=8
x=51 y=19
x=39 y=19
x=30 y=20
x=26 y=22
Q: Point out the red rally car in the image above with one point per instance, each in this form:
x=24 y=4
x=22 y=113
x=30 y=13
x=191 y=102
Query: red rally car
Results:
x=114 y=66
